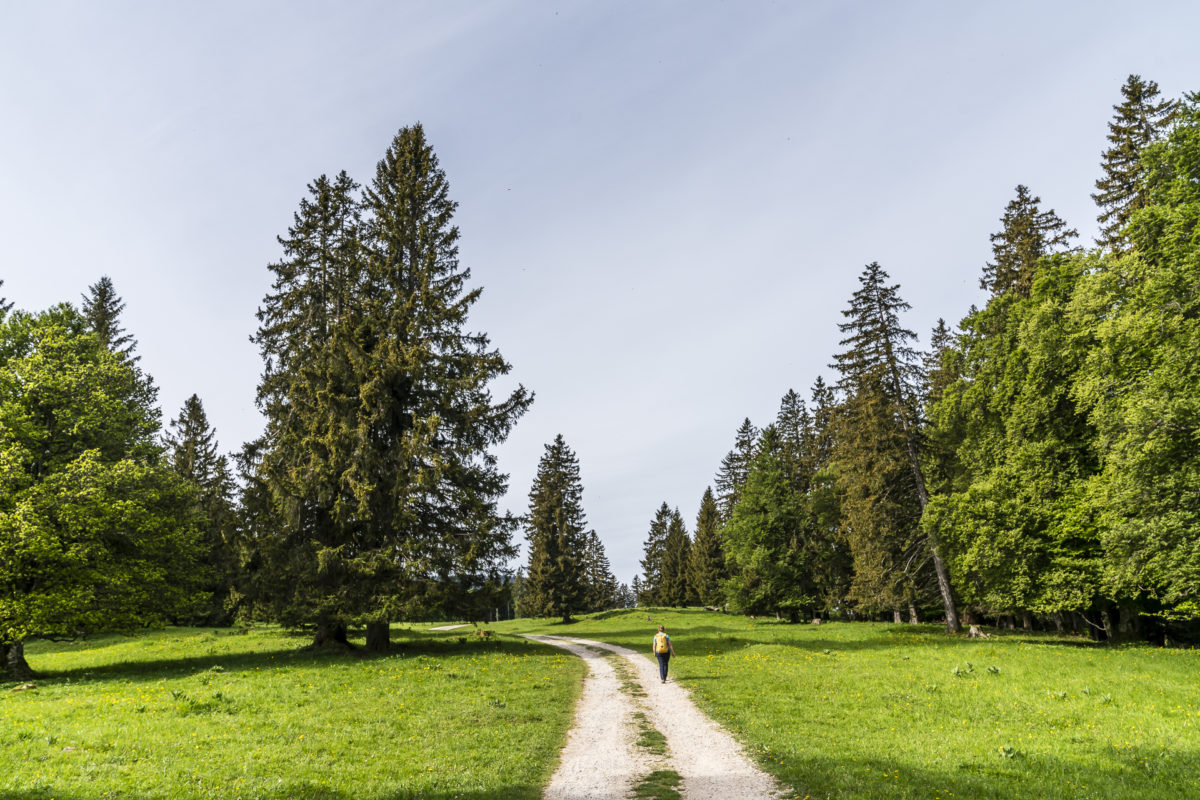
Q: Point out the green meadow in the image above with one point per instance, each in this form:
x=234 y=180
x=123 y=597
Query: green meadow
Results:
x=865 y=710
x=841 y=710
x=188 y=713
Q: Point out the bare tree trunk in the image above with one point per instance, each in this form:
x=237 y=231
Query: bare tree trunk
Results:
x=379 y=636
x=913 y=619
x=1110 y=630
x=1026 y=620
x=896 y=618
x=14 y=659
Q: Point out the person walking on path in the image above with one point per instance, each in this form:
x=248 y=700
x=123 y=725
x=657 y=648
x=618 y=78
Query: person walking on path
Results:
x=663 y=650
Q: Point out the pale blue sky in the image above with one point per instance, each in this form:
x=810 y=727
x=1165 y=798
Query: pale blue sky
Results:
x=667 y=203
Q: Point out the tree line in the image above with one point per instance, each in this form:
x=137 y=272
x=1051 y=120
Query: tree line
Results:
x=1034 y=466
x=371 y=495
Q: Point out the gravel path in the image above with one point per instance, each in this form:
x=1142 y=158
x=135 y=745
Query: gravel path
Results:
x=449 y=627
x=600 y=761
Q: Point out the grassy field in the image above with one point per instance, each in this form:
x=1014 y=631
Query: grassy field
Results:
x=857 y=710
x=185 y=713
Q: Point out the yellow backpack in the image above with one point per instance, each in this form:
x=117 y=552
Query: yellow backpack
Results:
x=660 y=643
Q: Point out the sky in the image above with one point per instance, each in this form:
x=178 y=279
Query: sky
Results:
x=667 y=204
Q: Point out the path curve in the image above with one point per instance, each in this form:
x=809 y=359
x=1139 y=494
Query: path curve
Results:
x=712 y=764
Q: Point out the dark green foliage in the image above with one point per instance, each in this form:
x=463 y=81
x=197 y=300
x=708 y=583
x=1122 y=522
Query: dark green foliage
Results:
x=706 y=562
x=380 y=419
x=598 y=578
x=95 y=534
x=1028 y=233
x=5 y=304
x=1140 y=120
x=557 y=583
x=102 y=308
x=654 y=551
x=192 y=453
x=878 y=454
x=673 y=589
x=766 y=540
x=734 y=469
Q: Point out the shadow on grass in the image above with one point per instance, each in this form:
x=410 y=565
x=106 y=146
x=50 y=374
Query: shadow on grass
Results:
x=883 y=636
x=290 y=657
x=1136 y=773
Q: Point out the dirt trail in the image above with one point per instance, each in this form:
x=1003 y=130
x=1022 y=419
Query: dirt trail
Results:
x=600 y=761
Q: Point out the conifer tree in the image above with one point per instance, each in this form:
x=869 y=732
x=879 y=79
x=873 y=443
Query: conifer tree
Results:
x=650 y=593
x=102 y=308
x=878 y=445
x=1028 y=233
x=557 y=583
x=673 y=589
x=766 y=539
x=192 y=453
x=735 y=466
x=794 y=426
x=1140 y=120
x=380 y=420
x=706 y=564
x=601 y=584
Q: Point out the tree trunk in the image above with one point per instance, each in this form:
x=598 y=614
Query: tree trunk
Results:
x=1110 y=630
x=1026 y=620
x=330 y=633
x=1127 y=624
x=1058 y=621
x=896 y=618
x=379 y=636
x=913 y=619
x=14 y=659
x=939 y=567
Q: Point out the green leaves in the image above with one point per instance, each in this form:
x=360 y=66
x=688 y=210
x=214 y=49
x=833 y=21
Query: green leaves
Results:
x=95 y=534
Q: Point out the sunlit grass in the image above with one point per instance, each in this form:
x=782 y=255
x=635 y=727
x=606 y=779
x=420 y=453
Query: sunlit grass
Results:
x=184 y=713
x=858 y=710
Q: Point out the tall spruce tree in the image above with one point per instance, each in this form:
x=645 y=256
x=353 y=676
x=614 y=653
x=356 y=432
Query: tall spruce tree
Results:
x=558 y=580
x=735 y=466
x=878 y=445
x=1028 y=233
x=102 y=308
x=380 y=420
x=654 y=552
x=192 y=452
x=674 y=588
x=1140 y=119
x=706 y=563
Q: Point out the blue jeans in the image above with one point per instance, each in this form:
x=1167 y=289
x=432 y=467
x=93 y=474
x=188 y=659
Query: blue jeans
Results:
x=663 y=658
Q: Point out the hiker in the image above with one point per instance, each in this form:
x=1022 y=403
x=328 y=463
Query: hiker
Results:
x=663 y=650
